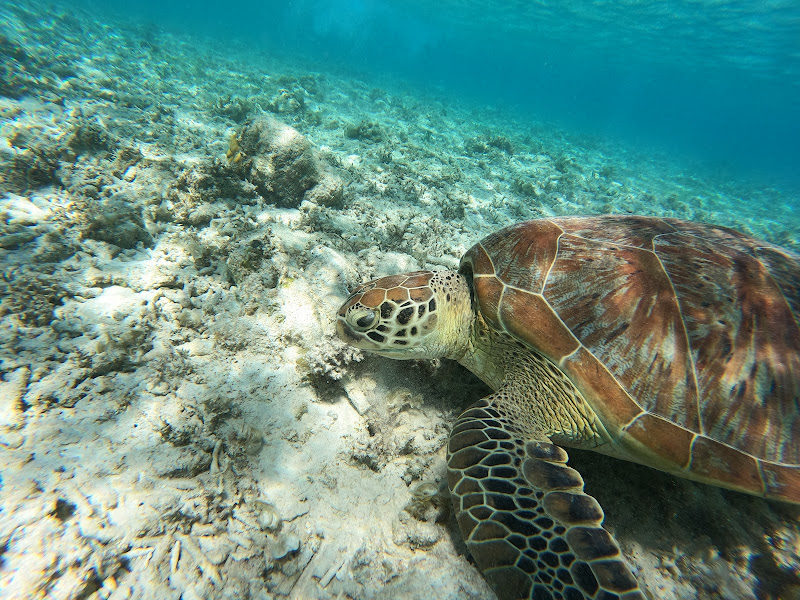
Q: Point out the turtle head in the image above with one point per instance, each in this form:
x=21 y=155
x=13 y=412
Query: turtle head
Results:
x=424 y=314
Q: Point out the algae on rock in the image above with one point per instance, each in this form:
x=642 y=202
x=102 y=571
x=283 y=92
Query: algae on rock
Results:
x=282 y=166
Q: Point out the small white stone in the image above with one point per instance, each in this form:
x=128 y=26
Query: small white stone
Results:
x=130 y=173
x=267 y=515
x=198 y=347
x=285 y=545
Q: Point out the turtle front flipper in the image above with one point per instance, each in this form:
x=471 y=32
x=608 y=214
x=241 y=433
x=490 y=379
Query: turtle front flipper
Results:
x=530 y=527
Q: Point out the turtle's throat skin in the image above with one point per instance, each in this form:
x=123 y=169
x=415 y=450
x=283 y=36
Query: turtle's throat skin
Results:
x=457 y=320
x=539 y=396
x=477 y=356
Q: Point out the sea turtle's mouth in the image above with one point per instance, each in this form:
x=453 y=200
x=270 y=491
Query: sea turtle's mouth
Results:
x=348 y=335
x=354 y=338
x=392 y=352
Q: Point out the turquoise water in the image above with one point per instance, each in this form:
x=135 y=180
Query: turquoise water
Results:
x=714 y=82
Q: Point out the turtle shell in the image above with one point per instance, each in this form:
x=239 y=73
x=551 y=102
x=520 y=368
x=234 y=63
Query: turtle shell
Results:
x=683 y=337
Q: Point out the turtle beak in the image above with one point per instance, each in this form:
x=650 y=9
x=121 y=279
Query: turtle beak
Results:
x=346 y=334
x=349 y=336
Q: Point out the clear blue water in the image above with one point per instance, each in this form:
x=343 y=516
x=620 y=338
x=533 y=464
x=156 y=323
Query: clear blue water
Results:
x=713 y=81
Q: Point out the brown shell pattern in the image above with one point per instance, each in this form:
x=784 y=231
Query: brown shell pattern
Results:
x=685 y=337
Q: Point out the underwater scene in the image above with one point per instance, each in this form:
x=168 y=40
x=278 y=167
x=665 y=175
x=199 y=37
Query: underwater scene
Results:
x=577 y=224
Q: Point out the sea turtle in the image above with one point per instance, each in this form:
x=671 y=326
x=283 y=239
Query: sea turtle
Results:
x=664 y=342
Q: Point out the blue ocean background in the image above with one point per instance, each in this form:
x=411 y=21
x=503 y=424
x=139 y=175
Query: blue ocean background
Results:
x=714 y=83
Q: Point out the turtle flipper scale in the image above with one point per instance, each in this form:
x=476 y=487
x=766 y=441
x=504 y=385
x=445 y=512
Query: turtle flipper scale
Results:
x=532 y=530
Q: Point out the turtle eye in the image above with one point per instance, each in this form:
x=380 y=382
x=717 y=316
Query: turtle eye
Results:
x=363 y=319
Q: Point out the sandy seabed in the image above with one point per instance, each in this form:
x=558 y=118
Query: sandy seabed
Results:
x=177 y=417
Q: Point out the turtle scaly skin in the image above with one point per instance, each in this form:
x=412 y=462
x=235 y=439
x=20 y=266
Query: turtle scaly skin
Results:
x=668 y=343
